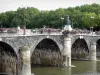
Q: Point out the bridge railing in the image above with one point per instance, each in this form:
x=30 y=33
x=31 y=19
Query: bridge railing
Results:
x=97 y=32
x=46 y=31
x=77 y=31
x=43 y=31
x=8 y=30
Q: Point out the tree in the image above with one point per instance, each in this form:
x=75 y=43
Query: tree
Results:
x=10 y=16
x=88 y=21
x=4 y=20
x=80 y=17
x=32 y=12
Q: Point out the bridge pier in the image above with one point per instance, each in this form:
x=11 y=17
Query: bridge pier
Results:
x=25 y=60
x=67 y=51
x=92 y=51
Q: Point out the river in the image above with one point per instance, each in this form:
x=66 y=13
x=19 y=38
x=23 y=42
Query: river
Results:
x=81 y=68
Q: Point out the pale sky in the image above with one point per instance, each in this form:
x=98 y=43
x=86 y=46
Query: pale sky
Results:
x=7 y=5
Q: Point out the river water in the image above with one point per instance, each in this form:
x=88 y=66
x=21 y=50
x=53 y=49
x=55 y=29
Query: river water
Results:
x=81 y=68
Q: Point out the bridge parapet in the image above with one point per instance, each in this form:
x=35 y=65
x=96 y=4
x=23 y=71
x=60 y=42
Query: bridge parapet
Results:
x=43 y=31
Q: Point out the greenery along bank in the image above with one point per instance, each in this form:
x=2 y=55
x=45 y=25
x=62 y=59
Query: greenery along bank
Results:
x=84 y=16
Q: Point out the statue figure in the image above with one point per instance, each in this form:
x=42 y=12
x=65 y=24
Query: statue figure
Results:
x=68 y=25
x=68 y=21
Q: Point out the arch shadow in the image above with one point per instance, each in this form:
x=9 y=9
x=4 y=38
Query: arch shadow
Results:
x=41 y=39
x=8 y=59
x=80 y=50
x=47 y=53
x=8 y=48
x=48 y=44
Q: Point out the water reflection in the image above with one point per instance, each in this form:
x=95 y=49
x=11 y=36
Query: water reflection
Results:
x=82 y=68
x=51 y=71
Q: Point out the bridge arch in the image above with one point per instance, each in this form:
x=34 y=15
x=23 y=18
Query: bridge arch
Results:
x=8 y=59
x=80 y=49
x=47 y=53
x=48 y=43
x=86 y=39
x=52 y=39
x=8 y=48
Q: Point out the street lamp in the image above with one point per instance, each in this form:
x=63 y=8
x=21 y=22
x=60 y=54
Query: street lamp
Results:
x=62 y=21
x=91 y=28
x=92 y=17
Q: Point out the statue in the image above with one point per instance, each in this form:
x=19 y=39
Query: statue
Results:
x=68 y=21
x=68 y=26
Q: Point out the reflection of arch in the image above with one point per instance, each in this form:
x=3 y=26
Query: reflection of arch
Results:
x=8 y=59
x=80 y=49
x=46 y=53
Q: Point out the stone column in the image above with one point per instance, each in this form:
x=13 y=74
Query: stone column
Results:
x=92 y=51
x=25 y=60
x=67 y=50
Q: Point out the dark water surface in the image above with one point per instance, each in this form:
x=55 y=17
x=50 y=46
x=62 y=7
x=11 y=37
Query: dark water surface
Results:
x=82 y=68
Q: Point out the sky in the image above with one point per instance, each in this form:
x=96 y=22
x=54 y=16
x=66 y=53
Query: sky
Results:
x=8 y=5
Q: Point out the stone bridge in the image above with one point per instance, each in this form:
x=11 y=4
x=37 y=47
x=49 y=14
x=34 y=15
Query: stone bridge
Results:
x=18 y=41
x=65 y=43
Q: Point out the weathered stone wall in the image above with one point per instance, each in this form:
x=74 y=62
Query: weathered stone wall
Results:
x=18 y=41
x=32 y=41
x=89 y=41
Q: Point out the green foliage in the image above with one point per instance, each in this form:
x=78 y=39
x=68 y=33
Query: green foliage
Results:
x=89 y=19
x=97 y=20
x=80 y=17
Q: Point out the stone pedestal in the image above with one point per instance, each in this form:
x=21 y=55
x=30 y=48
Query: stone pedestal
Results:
x=67 y=51
x=92 y=51
x=25 y=60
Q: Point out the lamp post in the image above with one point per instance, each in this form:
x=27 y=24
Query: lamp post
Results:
x=91 y=29
x=72 y=22
x=62 y=21
x=92 y=17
